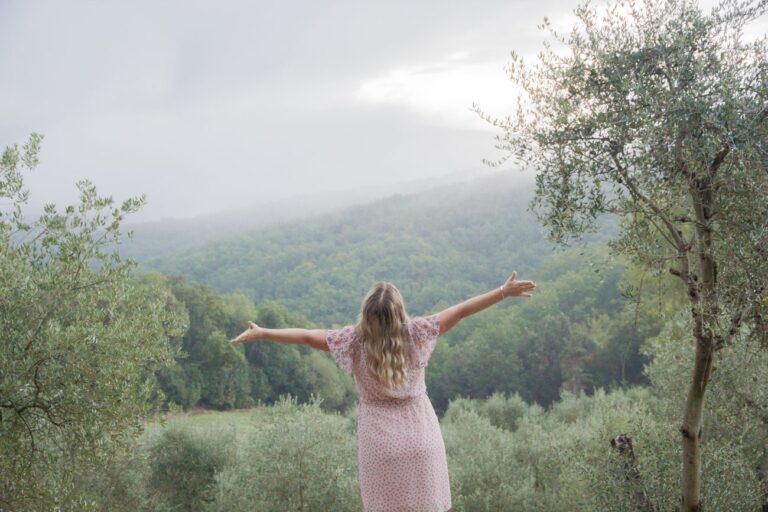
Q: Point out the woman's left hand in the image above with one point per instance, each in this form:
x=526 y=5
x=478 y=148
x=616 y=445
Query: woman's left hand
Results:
x=252 y=333
x=515 y=288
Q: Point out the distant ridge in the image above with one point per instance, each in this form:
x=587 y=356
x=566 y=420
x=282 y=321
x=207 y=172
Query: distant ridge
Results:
x=162 y=237
x=438 y=244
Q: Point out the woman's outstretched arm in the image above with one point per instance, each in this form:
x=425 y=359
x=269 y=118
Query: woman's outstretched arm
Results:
x=314 y=338
x=451 y=316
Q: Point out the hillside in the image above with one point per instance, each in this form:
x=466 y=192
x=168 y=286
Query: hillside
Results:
x=437 y=246
x=162 y=237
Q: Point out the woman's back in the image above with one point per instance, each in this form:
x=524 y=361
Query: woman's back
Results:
x=400 y=451
x=349 y=352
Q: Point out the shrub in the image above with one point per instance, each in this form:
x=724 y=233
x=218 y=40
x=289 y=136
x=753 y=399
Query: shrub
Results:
x=184 y=463
x=298 y=458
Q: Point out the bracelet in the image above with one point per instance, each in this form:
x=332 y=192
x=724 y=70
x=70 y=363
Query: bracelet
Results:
x=501 y=289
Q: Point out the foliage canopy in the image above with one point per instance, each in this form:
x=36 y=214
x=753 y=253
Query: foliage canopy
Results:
x=81 y=340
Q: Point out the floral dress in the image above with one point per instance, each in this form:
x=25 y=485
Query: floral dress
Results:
x=402 y=464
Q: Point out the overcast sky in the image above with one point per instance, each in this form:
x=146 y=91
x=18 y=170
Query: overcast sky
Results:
x=212 y=105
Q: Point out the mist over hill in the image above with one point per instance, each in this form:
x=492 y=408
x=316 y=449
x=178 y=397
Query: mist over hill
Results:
x=438 y=246
x=163 y=237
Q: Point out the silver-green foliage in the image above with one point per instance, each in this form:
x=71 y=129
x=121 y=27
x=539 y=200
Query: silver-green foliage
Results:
x=736 y=419
x=507 y=455
x=559 y=459
x=503 y=455
x=125 y=483
x=486 y=470
x=79 y=340
x=184 y=463
x=298 y=458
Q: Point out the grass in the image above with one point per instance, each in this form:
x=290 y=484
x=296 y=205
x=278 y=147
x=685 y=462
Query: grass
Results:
x=241 y=421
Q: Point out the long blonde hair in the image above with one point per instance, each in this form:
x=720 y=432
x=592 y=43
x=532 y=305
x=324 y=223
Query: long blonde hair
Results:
x=383 y=324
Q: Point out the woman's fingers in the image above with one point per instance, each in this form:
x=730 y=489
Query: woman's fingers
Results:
x=520 y=283
x=525 y=287
x=519 y=287
x=244 y=335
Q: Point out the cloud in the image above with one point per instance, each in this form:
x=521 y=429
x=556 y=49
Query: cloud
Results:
x=200 y=104
x=444 y=91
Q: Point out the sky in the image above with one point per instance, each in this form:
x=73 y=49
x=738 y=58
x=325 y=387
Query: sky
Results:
x=208 y=106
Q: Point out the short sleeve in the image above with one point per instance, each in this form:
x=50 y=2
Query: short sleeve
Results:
x=340 y=342
x=424 y=333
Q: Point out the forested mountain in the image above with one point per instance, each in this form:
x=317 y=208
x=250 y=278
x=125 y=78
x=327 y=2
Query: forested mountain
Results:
x=439 y=247
x=162 y=237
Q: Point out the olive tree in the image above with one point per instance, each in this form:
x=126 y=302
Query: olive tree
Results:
x=657 y=111
x=80 y=340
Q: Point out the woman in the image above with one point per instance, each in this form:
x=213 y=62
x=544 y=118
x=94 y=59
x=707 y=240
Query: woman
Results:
x=402 y=465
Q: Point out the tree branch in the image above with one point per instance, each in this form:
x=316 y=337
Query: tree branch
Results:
x=718 y=160
x=680 y=243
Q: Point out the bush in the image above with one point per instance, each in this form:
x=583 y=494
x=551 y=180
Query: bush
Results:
x=184 y=463
x=560 y=459
x=485 y=470
x=501 y=410
x=298 y=458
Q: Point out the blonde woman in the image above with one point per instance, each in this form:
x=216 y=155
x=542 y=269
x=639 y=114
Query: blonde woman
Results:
x=401 y=457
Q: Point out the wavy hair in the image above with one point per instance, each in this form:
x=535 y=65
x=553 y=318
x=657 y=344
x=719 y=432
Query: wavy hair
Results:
x=383 y=324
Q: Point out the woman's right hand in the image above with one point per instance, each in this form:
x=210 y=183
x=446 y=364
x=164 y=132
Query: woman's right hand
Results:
x=252 y=333
x=514 y=288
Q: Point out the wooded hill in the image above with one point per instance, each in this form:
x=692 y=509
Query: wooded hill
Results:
x=439 y=247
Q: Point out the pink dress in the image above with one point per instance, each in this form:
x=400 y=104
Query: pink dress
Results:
x=402 y=465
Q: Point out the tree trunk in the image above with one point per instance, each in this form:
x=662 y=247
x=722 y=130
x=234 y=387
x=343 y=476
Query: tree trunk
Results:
x=704 y=309
x=691 y=430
